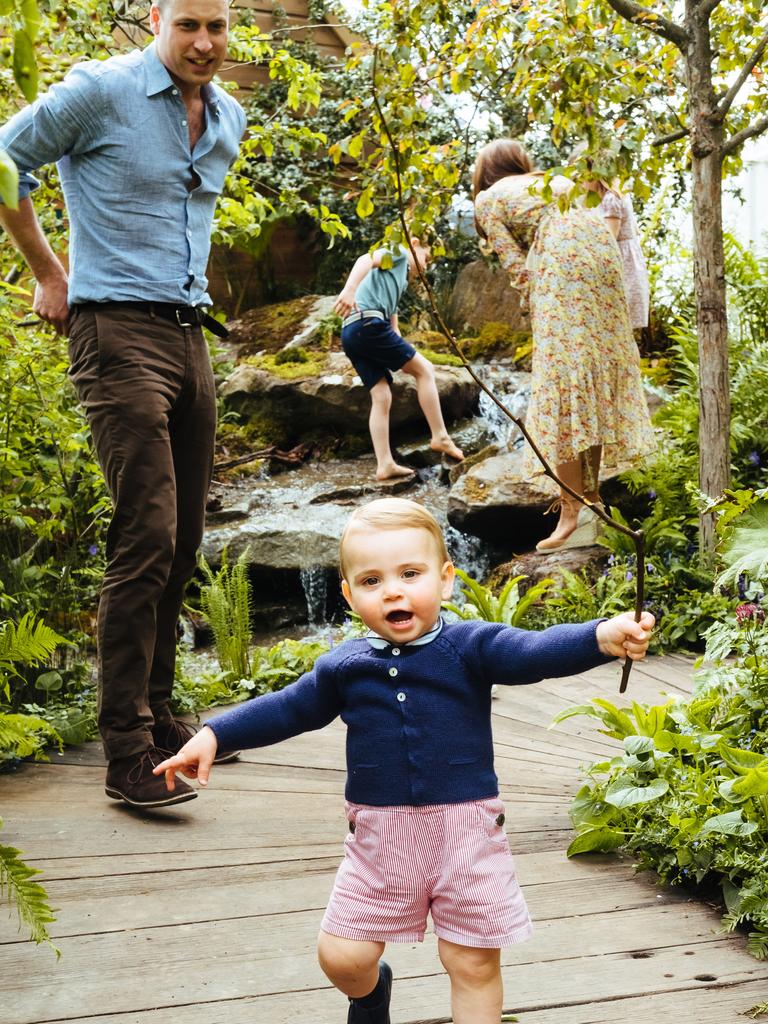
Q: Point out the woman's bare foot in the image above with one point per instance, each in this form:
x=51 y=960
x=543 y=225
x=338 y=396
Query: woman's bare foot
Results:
x=447 y=447
x=393 y=472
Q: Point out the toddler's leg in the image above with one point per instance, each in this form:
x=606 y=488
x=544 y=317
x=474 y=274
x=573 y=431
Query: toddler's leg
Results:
x=429 y=400
x=354 y=968
x=476 y=988
x=378 y=424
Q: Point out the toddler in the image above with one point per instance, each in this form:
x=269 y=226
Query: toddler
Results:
x=370 y=338
x=425 y=820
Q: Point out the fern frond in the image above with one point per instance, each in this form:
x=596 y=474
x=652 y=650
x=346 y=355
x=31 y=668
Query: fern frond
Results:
x=26 y=736
x=30 y=898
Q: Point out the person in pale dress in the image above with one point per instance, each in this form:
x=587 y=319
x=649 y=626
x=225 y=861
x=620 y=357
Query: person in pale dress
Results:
x=587 y=403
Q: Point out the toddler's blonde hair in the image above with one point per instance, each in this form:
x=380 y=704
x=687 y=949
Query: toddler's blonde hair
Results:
x=393 y=514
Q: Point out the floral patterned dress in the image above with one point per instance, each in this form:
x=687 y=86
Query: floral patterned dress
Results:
x=635 y=270
x=586 y=388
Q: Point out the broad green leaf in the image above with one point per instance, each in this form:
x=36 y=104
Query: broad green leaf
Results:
x=623 y=792
x=746 y=551
x=725 y=789
x=754 y=783
x=6 y=6
x=639 y=745
x=577 y=709
x=741 y=761
x=31 y=15
x=597 y=840
x=729 y=824
x=49 y=681
x=364 y=206
x=24 y=67
x=9 y=181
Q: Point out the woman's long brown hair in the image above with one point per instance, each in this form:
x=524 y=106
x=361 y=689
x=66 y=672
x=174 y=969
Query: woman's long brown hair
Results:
x=498 y=159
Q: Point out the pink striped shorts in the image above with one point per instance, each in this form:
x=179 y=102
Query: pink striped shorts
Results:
x=400 y=863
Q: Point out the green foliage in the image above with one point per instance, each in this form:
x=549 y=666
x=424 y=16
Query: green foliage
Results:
x=29 y=898
x=226 y=602
x=688 y=795
x=29 y=642
x=275 y=667
x=25 y=736
x=510 y=606
x=291 y=355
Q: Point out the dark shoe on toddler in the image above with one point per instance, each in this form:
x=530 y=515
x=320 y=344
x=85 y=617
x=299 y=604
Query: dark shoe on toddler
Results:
x=171 y=737
x=373 y=1008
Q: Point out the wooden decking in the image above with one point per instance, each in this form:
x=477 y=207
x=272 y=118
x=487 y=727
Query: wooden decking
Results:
x=209 y=913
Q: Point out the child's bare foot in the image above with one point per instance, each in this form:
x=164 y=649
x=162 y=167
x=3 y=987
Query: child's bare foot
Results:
x=393 y=472
x=447 y=447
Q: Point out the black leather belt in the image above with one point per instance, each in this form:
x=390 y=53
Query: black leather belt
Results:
x=182 y=316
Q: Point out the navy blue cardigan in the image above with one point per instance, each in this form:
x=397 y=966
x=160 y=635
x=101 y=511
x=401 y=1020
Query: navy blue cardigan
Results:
x=418 y=717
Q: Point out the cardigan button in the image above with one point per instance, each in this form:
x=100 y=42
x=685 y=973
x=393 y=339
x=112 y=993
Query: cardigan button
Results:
x=395 y=650
x=401 y=696
x=393 y=672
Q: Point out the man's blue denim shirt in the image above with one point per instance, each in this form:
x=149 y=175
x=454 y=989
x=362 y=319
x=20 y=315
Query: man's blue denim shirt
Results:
x=140 y=221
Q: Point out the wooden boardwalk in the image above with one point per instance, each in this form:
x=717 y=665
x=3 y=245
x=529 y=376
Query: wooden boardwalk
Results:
x=209 y=912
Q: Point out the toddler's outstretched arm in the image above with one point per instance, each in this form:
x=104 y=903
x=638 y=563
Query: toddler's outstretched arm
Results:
x=622 y=637
x=194 y=760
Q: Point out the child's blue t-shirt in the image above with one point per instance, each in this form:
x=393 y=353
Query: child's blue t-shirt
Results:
x=381 y=289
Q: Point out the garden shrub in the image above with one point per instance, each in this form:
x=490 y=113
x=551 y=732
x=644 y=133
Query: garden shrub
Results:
x=688 y=796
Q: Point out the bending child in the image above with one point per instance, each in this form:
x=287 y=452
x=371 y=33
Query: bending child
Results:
x=425 y=820
x=368 y=303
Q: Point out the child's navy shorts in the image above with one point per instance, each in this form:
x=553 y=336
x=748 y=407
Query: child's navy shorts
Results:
x=374 y=348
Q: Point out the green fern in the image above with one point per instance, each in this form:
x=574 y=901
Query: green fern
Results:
x=757 y=945
x=509 y=607
x=26 y=736
x=226 y=602
x=758 y=1010
x=29 y=643
x=30 y=898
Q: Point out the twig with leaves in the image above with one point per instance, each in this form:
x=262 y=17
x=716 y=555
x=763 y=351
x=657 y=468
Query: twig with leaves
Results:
x=636 y=535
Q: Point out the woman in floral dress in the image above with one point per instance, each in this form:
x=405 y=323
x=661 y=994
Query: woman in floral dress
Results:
x=587 y=403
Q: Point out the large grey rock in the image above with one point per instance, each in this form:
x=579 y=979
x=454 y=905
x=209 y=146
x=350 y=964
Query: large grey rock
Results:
x=337 y=397
x=492 y=500
x=549 y=566
x=280 y=325
x=481 y=295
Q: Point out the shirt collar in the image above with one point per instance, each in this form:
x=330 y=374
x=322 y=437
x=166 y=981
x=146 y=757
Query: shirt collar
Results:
x=379 y=643
x=158 y=78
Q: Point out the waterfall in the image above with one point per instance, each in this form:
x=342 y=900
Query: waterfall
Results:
x=467 y=552
x=513 y=389
x=315 y=584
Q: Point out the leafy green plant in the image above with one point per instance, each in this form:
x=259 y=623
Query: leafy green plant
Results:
x=29 y=642
x=509 y=606
x=275 y=667
x=226 y=602
x=25 y=735
x=29 y=898
x=688 y=795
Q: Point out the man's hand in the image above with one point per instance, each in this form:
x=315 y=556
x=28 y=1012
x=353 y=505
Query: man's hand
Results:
x=194 y=760
x=622 y=637
x=50 y=302
x=345 y=303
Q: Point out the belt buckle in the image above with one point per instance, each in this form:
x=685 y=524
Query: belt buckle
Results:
x=180 y=322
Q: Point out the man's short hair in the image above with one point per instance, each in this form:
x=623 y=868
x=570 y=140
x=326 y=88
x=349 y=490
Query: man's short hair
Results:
x=393 y=514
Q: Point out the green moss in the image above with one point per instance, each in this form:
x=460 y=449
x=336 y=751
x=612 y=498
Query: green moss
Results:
x=497 y=339
x=429 y=341
x=271 y=327
x=312 y=365
x=442 y=358
x=291 y=355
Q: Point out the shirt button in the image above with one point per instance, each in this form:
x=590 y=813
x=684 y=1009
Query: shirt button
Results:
x=393 y=671
x=184 y=123
x=395 y=650
x=174 y=92
x=401 y=696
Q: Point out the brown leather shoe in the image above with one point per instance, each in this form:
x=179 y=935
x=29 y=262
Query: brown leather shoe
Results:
x=171 y=736
x=130 y=779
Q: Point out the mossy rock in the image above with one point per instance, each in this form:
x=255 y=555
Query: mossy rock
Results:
x=291 y=364
x=429 y=341
x=497 y=340
x=270 y=328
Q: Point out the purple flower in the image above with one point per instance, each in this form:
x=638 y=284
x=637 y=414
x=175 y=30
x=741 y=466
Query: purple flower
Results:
x=741 y=585
x=754 y=458
x=629 y=575
x=650 y=568
x=749 y=612
x=651 y=494
x=93 y=549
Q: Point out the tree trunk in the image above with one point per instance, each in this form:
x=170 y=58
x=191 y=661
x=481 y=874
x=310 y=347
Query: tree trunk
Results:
x=708 y=271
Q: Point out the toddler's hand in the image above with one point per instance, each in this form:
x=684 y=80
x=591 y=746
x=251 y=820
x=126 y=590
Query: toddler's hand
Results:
x=194 y=760
x=622 y=637
x=345 y=303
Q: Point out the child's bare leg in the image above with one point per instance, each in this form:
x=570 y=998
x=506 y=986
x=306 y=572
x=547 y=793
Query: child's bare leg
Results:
x=352 y=966
x=378 y=424
x=429 y=400
x=476 y=987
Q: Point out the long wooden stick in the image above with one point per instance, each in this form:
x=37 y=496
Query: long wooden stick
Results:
x=636 y=535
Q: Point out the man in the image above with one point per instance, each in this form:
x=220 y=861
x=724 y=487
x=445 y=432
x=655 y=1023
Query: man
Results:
x=143 y=142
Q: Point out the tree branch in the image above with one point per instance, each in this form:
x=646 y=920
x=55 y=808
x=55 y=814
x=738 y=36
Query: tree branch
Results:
x=756 y=128
x=675 y=136
x=650 y=20
x=725 y=103
x=708 y=7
